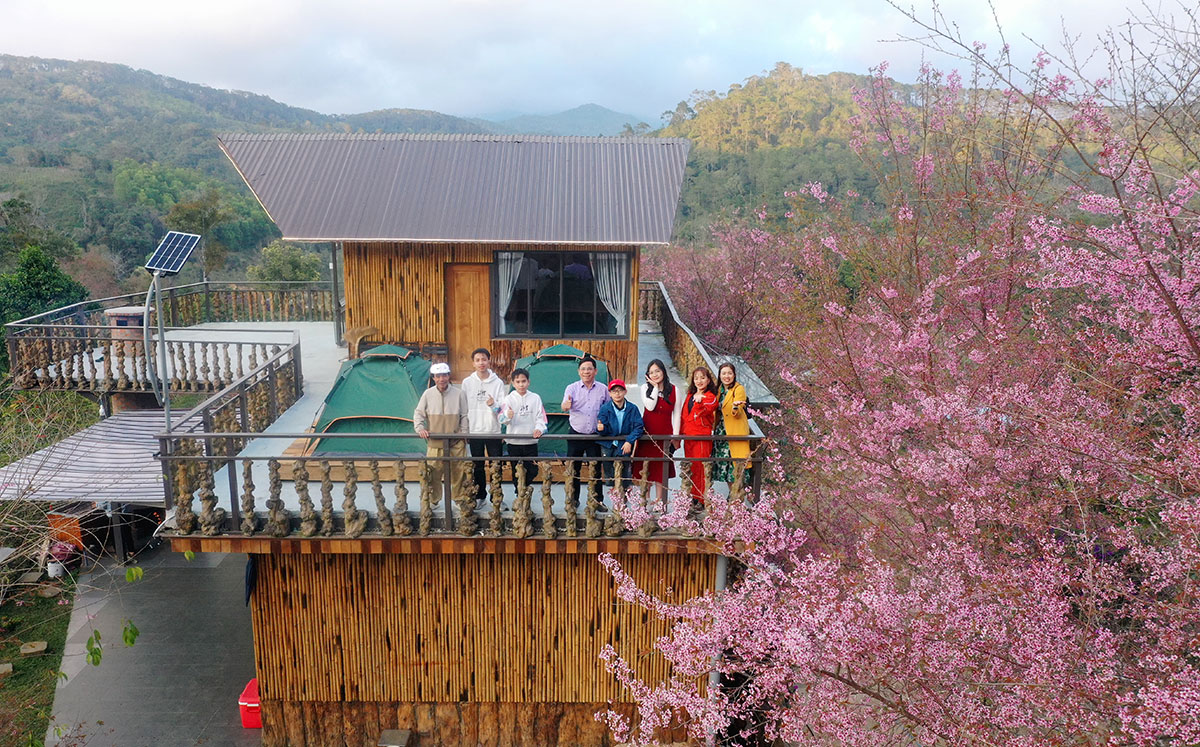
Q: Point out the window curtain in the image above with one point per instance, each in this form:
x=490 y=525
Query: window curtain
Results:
x=611 y=270
x=508 y=268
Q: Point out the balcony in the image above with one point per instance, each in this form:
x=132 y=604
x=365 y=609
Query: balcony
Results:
x=238 y=472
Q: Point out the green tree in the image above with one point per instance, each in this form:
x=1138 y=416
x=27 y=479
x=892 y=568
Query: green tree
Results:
x=202 y=216
x=282 y=262
x=19 y=228
x=37 y=284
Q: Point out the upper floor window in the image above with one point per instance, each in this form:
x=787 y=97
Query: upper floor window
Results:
x=562 y=294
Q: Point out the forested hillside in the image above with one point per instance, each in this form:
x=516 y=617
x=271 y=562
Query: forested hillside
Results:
x=100 y=155
x=763 y=137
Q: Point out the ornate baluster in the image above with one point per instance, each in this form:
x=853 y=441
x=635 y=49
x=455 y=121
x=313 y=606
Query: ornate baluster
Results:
x=592 y=525
x=308 y=516
x=522 y=524
x=65 y=347
x=572 y=500
x=76 y=362
x=212 y=519
x=110 y=360
x=253 y=355
x=240 y=370
x=706 y=470
x=462 y=491
x=180 y=375
x=326 y=499
x=614 y=523
x=495 y=480
x=53 y=368
x=427 y=497
x=685 y=480
x=120 y=362
x=89 y=361
x=226 y=366
x=249 y=522
x=382 y=515
x=355 y=520
x=188 y=375
x=279 y=521
x=737 y=488
x=549 y=530
x=647 y=527
x=400 y=518
x=185 y=518
x=139 y=365
x=203 y=381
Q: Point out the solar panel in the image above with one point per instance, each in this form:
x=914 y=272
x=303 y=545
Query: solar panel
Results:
x=172 y=252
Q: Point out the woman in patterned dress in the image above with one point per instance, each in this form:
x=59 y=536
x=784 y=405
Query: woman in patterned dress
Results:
x=732 y=421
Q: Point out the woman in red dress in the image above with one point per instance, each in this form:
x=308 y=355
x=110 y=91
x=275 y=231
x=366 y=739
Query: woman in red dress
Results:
x=661 y=405
x=699 y=415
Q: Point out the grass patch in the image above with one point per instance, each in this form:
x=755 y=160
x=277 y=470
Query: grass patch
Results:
x=27 y=695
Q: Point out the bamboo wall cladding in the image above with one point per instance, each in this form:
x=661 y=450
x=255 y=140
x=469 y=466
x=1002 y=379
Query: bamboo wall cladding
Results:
x=473 y=628
x=399 y=288
x=293 y=723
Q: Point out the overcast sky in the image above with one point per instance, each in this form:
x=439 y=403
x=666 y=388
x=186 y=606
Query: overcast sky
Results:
x=481 y=57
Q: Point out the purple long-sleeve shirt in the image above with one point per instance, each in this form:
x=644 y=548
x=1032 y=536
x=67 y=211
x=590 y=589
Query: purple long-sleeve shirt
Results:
x=585 y=405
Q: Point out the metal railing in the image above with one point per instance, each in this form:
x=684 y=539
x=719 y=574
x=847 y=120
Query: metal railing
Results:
x=207 y=468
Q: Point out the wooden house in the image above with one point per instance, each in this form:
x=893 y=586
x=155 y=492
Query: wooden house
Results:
x=453 y=242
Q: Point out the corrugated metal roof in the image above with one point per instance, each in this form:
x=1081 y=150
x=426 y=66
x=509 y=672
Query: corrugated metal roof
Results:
x=113 y=460
x=487 y=188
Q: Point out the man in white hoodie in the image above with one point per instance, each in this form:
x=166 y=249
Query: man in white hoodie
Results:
x=485 y=393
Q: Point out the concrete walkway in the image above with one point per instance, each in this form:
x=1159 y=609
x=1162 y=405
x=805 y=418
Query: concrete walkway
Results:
x=179 y=684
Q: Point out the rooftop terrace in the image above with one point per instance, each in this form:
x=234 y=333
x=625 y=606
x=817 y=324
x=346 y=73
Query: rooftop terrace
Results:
x=235 y=466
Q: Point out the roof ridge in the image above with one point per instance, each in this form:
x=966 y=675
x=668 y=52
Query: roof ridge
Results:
x=444 y=137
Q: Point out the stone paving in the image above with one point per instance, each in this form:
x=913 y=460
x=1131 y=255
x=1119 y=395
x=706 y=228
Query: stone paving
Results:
x=179 y=684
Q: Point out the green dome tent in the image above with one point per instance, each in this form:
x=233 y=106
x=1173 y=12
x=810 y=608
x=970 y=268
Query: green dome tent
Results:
x=550 y=371
x=375 y=393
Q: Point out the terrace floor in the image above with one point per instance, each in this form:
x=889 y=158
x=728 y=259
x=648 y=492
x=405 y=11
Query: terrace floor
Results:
x=320 y=361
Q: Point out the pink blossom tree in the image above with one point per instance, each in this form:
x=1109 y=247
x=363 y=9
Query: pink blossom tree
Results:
x=987 y=523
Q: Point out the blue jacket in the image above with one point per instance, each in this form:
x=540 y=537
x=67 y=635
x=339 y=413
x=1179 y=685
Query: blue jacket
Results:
x=631 y=429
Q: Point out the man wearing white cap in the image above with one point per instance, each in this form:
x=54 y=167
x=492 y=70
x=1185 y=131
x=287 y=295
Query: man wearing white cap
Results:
x=442 y=409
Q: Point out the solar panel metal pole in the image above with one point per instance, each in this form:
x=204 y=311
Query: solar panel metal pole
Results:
x=168 y=259
x=156 y=373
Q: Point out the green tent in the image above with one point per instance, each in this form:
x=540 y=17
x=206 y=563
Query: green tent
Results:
x=550 y=371
x=376 y=393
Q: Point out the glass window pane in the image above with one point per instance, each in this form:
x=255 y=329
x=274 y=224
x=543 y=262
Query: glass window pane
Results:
x=546 y=294
x=579 y=295
x=516 y=320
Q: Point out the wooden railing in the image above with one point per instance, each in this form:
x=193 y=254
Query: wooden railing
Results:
x=200 y=468
x=75 y=347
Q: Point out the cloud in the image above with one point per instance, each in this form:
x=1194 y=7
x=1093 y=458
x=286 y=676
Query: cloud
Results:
x=474 y=56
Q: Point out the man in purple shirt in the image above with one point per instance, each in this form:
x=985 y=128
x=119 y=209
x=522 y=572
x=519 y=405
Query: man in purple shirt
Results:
x=582 y=402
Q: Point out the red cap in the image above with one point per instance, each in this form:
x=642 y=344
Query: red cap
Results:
x=616 y=382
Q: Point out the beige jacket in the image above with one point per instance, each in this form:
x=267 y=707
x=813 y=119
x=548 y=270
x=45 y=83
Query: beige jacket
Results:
x=441 y=412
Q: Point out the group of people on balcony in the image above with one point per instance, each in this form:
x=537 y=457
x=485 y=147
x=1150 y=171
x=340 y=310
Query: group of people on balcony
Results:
x=637 y=436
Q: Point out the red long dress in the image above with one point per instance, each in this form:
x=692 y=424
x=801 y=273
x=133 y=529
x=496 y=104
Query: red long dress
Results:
x=698 y=419
x=659 y=421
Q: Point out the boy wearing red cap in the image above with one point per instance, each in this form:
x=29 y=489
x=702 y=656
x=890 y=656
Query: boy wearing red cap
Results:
x=619 y=424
